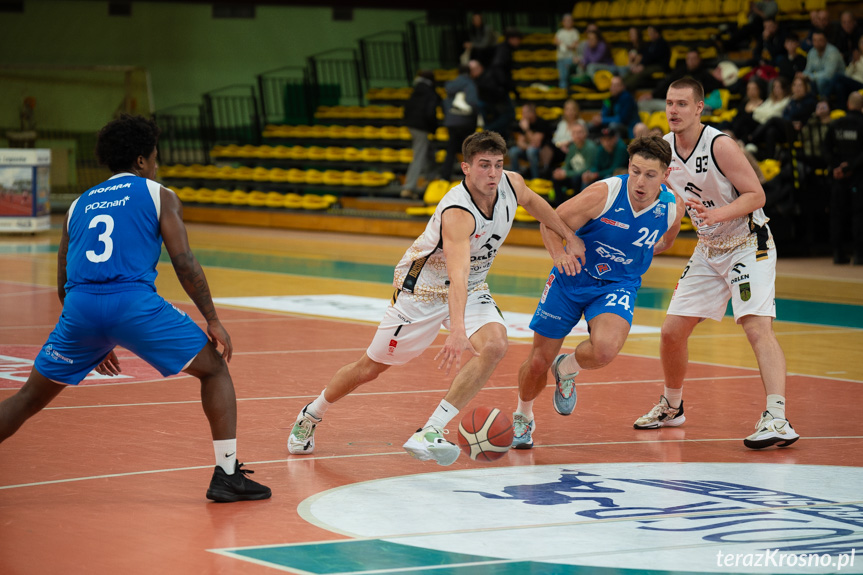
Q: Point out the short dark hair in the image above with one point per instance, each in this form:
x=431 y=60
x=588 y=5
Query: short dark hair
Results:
x=122 y=141
x=482 y=142
x=692 y=84
x=651 y=148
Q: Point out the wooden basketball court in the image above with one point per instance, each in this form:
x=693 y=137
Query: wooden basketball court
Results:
x=111 y=477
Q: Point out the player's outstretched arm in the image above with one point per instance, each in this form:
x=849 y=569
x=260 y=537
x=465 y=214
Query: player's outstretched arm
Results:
x=188 y=270
x=457 y=226
x=734 y=165
x=667 y=239
x=575 y=212
x=566 y=261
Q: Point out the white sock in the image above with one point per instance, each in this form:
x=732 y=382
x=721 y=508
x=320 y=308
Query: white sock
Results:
x=319 y=406
x=674 y=396
x=442 y=415
x=776 y=405
x=525 y=408
x=569 y=365
x=226 y=454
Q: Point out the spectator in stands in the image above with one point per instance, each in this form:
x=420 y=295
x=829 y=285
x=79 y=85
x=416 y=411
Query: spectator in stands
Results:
x=852 y=79
x=743 y=122
x=481 y=41
x=611 y=157
x=846 y=36
x=579 y=50
x=759 y=12
x=566 y=40
x=420 y=116
x=845 y=164
x=793 y=60
x=693 y=67
x=503 y=62
x=496 y=107
x=772 y=107
x=562 y=136
x=461 y=109
x=619 y=111
x=819 y=21
x=596 y=51
x=532 y=136
x=580 y=155
x=782 y=129
x=823 y=62
x=654 y=56
x=770 y=45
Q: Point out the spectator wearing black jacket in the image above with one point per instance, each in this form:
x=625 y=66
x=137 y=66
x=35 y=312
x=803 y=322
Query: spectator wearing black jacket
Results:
x=843 y=148
x=420 y=116
x=461 y=109
x=654 y=56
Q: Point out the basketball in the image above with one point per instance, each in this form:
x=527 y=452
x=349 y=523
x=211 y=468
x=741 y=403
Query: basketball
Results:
x=485 y=434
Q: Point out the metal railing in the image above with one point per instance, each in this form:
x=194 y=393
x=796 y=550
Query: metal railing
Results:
x=232 y=115
x=385 y=58
x=435 y=45
x=286 y=96
x=182 y=138
x=335 y=77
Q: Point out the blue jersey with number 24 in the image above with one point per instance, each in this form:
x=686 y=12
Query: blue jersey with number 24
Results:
x=619 y=242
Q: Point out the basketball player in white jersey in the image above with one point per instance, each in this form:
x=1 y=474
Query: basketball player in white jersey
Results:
x=440 y=281
x=735 y=258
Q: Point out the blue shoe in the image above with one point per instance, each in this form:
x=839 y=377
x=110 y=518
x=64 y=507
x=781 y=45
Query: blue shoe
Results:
x=521 y=431
x=564 y=391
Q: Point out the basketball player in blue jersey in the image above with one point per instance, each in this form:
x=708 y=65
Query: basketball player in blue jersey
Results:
x=106 y=266
x=734 y=259
x=440 y=281
x=623 y=221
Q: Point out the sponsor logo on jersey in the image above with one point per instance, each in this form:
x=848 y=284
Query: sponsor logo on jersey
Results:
x=602 y=268
x=548 y=283
x=110 y=188
x=392 y=347
x=612 y=254
x=693 y=189
x=614 y=223
x=659 y=211
x=56 y=355
x=108 y=204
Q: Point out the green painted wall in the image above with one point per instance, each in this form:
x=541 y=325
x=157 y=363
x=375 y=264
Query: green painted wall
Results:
x=185 y=50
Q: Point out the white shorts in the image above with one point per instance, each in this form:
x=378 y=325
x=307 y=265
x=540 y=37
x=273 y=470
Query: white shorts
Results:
x=707 y=283
x=410 y=326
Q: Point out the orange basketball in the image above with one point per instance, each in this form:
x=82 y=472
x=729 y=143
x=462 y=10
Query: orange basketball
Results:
x=485 y=434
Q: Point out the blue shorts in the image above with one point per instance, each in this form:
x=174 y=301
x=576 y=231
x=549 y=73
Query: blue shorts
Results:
x=140 y=320
x=566 y=298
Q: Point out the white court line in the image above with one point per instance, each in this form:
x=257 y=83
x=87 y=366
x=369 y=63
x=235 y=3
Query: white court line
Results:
x=301 y=458
x=366 y=393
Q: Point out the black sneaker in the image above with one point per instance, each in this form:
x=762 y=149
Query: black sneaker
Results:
x=226 y=488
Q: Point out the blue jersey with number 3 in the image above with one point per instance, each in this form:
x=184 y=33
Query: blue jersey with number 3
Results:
x=114 y=235
x=619 y=242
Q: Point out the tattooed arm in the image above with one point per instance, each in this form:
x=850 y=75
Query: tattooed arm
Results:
x=188 y=270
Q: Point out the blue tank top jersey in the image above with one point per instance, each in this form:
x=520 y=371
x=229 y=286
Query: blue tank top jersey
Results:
x=114 y=235
x=619 y=242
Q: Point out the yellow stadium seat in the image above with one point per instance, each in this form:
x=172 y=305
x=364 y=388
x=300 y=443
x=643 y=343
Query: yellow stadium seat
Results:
x=293 y=201
x=257 y=199
x=435 y=191
x=239 y=198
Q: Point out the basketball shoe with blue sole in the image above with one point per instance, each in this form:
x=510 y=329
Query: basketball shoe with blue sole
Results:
x=522 y=431
x=565 y=396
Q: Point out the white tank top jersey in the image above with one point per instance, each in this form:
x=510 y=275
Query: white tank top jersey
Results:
x=422 y=270
x=698 y=178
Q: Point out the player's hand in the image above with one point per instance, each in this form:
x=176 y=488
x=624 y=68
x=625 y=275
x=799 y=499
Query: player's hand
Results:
x=218 y=335
x=110 y=366
x=705 y=216
x=572 y=262
x=450 y=353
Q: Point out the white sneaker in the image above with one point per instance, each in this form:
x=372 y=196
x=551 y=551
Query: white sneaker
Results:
x=662 y=415
x=771 y=431
x=301 y=441
x=429 y=443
